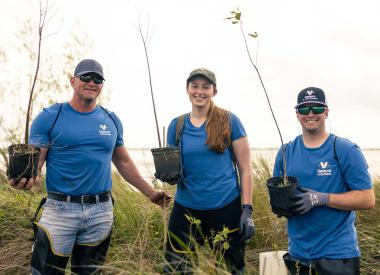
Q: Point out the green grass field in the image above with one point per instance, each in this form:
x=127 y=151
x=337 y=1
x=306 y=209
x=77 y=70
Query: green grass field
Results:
x=138 y=236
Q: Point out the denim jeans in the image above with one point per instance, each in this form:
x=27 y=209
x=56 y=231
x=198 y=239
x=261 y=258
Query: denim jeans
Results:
x=70 y=223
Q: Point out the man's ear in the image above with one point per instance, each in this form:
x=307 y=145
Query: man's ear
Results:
x=326 y=112
x=72 y=81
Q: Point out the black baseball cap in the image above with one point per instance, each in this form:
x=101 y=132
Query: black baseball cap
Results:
x=311 y=95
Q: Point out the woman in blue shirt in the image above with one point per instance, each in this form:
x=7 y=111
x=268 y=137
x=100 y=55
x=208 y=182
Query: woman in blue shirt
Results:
x=213 y=190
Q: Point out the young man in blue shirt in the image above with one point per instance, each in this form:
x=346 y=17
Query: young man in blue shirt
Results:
x=333 y=181
x=79 y=140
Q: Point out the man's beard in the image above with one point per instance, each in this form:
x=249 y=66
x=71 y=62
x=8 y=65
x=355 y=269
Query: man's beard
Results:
x=88 y=101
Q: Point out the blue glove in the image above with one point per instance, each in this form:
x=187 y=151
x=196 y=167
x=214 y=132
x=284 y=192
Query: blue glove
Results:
x=246 y=225
x=306 y=199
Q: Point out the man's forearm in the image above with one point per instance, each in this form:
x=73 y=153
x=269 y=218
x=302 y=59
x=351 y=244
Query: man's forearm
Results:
x=353 y=200
x=130 y=173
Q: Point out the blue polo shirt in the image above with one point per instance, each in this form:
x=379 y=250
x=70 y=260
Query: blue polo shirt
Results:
x=80 y=148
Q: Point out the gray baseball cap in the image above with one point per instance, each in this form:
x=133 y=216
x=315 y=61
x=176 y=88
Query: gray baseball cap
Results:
x=203 y=72
x=89 y=66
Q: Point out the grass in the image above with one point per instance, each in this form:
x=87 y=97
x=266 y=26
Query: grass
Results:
x=137 y=240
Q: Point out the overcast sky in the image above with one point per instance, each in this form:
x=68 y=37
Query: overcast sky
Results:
x=334 y=45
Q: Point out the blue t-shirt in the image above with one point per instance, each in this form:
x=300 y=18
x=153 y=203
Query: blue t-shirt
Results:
x=324 y=231
x=80 y=148
x=209 y=178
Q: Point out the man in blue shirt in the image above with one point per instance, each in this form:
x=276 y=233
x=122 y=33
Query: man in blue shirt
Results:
x=333 y=181
x=79 y=140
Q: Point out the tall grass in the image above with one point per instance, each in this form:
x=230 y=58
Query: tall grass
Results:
x=137 y=240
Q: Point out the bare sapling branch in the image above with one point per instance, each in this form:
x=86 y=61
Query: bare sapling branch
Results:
x=144 y=40
x=41 y=25
x=236 y=19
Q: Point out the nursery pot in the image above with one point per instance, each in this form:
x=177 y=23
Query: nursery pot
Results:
x=281 y=195
x=23 y=161
x=167 y=163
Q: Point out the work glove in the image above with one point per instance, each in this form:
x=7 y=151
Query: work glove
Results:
x=306 y=199
x=246 y=225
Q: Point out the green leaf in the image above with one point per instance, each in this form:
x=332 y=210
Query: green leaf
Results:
x=226 y=245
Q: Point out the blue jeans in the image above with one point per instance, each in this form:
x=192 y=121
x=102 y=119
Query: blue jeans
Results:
x=70 y=223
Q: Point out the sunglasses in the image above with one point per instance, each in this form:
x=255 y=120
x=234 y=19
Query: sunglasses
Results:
x=316 y=110
x=87 y=78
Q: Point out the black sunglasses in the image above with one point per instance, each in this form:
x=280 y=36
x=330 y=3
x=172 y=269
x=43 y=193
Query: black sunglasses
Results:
x=87 y=78
x=316 y=110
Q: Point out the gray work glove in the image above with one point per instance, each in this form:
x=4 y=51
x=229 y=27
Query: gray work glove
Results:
x=306 y=199
x=246 y=225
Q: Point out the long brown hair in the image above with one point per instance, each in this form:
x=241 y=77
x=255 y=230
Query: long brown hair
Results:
x=218 y=128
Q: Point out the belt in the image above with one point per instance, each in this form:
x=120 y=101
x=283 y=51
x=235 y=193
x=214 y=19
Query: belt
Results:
x=102 y=197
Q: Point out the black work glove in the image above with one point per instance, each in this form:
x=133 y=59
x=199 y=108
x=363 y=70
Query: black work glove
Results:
x=246 y=225
x=306 y=199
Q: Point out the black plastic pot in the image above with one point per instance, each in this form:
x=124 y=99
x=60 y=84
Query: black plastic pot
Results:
x=23 y=161
x=281 y=195
x=167 y=162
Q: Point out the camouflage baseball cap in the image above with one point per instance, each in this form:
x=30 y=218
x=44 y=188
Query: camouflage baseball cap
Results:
x=203 y=72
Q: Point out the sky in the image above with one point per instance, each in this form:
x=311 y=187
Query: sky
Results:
x=333 y=45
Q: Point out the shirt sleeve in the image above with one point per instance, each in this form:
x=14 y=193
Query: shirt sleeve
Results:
x=237 y=128
x=42 y=126
x=170 y=137
x=278 y=165
x=353 y=165
x=120 y=130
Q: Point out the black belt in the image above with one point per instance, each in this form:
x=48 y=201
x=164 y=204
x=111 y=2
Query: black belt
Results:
x=102 y=197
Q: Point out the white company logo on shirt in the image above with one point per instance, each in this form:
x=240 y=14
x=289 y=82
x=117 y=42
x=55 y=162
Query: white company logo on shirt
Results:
x=323 y=169
x=103 y=130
